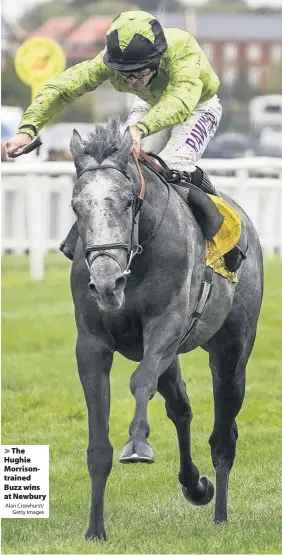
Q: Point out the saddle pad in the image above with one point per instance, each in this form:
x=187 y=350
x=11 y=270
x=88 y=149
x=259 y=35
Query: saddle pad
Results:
x=224 y=240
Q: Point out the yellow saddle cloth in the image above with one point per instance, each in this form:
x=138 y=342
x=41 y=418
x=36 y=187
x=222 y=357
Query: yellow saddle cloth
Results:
x=225 y=239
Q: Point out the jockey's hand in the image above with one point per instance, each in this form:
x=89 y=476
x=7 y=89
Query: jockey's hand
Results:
x=136 y=135
x=18 y=143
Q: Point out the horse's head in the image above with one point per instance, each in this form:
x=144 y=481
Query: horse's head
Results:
x=103 y=201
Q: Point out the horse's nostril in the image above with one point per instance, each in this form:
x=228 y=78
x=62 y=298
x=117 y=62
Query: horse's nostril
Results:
x=106 y=289
x=120 y=282
x=92 y=287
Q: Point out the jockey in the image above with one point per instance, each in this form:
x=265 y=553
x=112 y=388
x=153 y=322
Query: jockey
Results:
x=175 y=107
x=176 y=110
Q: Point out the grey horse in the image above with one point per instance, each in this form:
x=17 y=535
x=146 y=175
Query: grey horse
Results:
x=144 y=314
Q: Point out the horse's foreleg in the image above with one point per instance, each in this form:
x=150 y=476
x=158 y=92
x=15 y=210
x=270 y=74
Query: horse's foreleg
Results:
x=94 y=359
x=161 y=338
x=229 y=351
x=198 y=490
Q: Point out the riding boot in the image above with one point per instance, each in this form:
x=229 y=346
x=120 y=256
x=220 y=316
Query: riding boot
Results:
x=234 y=258
x=202 y=180
x=67 y=247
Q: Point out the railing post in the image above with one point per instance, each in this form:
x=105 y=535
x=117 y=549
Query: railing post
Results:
x=35 y=195
x=242 y=193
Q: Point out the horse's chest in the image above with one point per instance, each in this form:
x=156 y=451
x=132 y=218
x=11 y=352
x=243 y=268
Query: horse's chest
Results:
x=128 y=336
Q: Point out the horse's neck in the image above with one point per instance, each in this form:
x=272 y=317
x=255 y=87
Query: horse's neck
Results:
x=155 y=204
x=161 y=200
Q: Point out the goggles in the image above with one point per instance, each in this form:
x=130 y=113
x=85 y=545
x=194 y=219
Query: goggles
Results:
x=136 y=75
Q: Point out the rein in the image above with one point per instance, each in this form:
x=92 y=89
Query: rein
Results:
x=92 y=252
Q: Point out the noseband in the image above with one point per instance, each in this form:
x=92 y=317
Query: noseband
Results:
x=92 y=252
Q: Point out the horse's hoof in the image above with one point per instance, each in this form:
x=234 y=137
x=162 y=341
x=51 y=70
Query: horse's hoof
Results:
x=137 y=451
x=204 y=494
x=221 y=522
x=95 y=536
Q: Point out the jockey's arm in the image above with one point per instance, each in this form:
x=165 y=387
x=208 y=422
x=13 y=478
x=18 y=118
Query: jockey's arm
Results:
x=180 y=97
x=62 y=90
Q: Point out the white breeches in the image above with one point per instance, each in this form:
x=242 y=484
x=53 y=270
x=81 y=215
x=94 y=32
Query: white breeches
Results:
x=182 y=145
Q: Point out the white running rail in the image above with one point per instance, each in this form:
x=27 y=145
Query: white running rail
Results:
x=36 y=213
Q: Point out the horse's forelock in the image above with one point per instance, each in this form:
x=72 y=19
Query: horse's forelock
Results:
x=104 y=141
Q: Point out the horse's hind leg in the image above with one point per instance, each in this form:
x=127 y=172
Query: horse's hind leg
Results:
x=198 y=490
x=229 y=352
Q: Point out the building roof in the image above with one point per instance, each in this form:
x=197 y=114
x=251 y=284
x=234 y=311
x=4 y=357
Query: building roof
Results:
x=237 y=27
x=93 y=30
x=56 y=27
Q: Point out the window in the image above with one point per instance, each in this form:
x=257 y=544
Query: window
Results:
x=254 y=76
x=230 y=52
x=254 y=52
x=229 y=75
x=208 y=48
x=276 y=54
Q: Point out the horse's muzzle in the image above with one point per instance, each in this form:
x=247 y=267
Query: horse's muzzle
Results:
x=107 y=283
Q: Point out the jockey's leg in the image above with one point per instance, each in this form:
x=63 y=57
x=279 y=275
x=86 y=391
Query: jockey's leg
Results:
x=189 y=140
x=184 y=149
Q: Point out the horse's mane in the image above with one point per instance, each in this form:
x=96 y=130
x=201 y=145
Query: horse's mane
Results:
x=104 y=140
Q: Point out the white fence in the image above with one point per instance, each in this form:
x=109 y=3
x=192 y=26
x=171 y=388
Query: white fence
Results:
x=36 y=213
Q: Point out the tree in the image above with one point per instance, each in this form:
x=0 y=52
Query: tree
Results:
x=242 y=90
x=14 y=92
x=272 y=83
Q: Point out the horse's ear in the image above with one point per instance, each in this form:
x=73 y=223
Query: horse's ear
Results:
x=127 y=138
x=76 y=147
x=125 y=147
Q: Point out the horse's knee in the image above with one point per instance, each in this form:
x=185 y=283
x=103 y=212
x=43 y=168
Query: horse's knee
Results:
x=179 y=413
x=177 y=404
x=100 y=459
x=223 y=446
x=143 y=383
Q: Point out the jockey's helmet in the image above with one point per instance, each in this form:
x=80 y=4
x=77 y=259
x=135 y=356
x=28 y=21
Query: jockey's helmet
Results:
x=135 y=41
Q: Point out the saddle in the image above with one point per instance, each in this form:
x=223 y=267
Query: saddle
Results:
x=204 y=209
x=220 y=223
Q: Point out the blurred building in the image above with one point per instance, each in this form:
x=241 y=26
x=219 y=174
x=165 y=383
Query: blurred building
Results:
x=234 y=43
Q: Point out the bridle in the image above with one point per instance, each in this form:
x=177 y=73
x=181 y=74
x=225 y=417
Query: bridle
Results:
x=92 y=252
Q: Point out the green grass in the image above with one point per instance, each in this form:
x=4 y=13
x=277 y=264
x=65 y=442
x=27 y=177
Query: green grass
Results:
x=43 y=403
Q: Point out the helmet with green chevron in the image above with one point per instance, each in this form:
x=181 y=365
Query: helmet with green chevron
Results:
x=135 y=41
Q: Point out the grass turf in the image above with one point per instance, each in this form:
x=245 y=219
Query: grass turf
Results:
x=145 y=511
